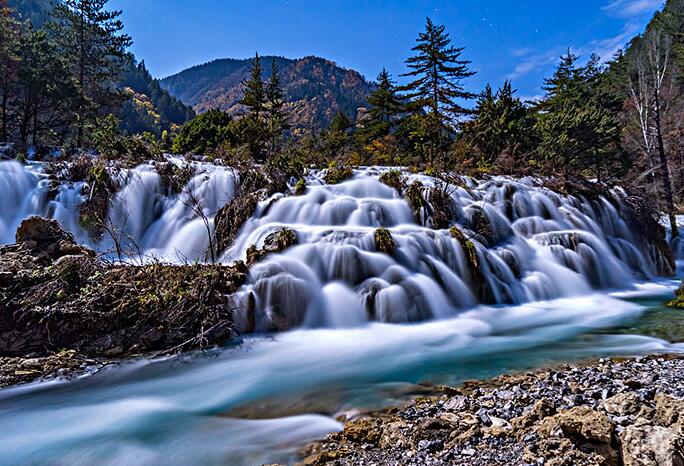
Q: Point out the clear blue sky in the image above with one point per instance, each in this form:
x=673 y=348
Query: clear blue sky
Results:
x=516 y=39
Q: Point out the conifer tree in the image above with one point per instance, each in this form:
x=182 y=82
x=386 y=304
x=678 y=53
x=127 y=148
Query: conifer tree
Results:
x=438 y=72
x=42 y=89
x=578 y=130
x=277 y=119
x=8 y=64
x=253 y=88
x=385 y=105
x=94 y=47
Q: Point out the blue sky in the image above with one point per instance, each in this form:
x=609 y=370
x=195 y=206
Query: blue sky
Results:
x=518 y=40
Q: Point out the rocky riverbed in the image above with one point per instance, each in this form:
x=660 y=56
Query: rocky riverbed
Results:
x=612 y=412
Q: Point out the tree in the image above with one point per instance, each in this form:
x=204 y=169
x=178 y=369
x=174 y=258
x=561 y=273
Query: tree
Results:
x=90 y=39
x=502 y=124
x=276 y=116
x=253 y=88
x=651 y=84
x=9 y=60
x=42 y=88
x=438 y=72
x=385 y=105
x=206 y=131
x=578 y=130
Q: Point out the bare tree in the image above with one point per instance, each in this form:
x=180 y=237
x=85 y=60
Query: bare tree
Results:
x=192 y=202
x=651 y=86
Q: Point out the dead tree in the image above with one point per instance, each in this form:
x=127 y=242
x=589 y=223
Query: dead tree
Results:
x=651 y=84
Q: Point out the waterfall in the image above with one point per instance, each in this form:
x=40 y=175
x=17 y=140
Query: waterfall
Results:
x=512 y=241
x=145 y=218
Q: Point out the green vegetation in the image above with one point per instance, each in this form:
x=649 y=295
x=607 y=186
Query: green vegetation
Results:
x=64 y=66
x=618 y=121
x=337 y=173
x=205 y=132
x=384 y=242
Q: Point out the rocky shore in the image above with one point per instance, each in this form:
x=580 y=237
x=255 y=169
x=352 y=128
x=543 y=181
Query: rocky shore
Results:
x=612 y=412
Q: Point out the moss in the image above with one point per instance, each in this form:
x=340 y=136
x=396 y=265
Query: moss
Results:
x=468 y=247
x=274 y=243
x=174 y=177
x=337 y=173
x=393 y=179
x=384 y=242
x=300 y=187
x=678 y=302
x=414 y=196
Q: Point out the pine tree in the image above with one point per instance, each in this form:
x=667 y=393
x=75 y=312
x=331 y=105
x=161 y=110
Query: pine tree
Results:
x=502 y=124
x=438 y=73
x=385 y=105
x=578 y=130
x=42 y=89
x=483 y=131
x=90 y=39
x=253 y=88
x=277 y=118
x=8 y=64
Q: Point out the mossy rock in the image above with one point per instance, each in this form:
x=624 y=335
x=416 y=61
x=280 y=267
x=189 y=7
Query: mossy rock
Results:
x=678 y=302
x=384 y=242
x=467 y=245
x=393 y=179
x=336 y=174
x=414 y=196
x=274 y=243
x=441 y=208
x=299 y=187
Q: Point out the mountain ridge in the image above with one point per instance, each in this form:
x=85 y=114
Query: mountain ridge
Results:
x=315 y=88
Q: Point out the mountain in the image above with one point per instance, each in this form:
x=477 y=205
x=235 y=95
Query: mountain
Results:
x=147 y=107
x=315 y=88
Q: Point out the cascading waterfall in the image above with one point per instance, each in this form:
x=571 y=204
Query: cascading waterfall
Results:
x=143 y=217
x=518 y=242
x=538 y=245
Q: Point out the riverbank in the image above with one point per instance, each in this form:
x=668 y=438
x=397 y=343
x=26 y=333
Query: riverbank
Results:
x=609 y=412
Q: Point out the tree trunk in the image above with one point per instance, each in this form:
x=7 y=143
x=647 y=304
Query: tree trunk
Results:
x=665 y=171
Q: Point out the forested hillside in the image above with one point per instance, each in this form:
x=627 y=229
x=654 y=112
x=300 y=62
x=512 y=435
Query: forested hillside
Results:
x=139 y=102
x=315 y=89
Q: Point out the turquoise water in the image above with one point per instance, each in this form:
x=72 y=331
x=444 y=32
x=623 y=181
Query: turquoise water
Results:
x=261 y=400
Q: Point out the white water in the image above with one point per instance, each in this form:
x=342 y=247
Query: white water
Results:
x=552 y=267
x=171 y=412
x=145 y=219
x=539 y=246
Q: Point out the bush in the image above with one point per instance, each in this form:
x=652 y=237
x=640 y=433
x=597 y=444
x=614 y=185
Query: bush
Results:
x=337 y=173
x=205 y=132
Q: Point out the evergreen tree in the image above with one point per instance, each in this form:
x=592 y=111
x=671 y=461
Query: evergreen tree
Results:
x=9 y=59
x=438 y=72
x=385 y=105
x=578 y=130
x=90 y=39
x=502 y=124
x=42 y=89
x=277 y=119
x=253 y=88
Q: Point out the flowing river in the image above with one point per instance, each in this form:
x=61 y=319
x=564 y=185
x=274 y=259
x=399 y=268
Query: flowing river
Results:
x=553 y=278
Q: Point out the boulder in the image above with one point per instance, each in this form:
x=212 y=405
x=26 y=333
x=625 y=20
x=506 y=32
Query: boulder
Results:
x=45 y=237
x=669 y=411
x=651 y=446
x=580 y=421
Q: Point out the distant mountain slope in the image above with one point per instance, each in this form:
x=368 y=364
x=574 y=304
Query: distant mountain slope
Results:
x=315 y=88
x=149 y=107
